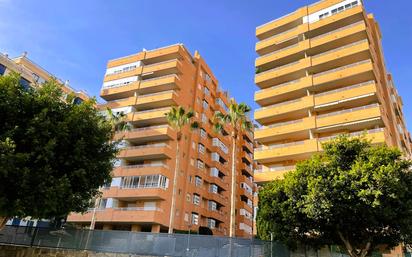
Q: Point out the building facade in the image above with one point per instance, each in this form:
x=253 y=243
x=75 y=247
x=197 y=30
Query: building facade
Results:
x=144 y=86
x=321 y=72
x=33 y=75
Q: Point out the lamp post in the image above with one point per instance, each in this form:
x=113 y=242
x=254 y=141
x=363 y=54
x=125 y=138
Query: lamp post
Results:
x=271 y=244
x=188 y=240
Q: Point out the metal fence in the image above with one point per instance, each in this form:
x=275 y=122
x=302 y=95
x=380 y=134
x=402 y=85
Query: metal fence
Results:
x=141 y=243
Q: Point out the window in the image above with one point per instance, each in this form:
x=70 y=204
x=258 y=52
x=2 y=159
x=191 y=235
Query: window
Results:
x=207 y=77
x=205 y=104
x=198 y=181
x=201 y=148
x=206 y=91
x=195 y=218
x=214 y=172
x=200 y=164
x=203 y=133
x=211 y=223
x=204 y=118
x=196 y=199
x=192 y=162
x=24 y=83
x=188 y=197
x=215 y=157
x=213 y=188
x=212 y=205
x=2 y=69
x=186 y=217
x=149 y=181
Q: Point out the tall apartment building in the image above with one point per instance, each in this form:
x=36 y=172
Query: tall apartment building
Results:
x=321 y=72
x=32 y=74
x=144 y=86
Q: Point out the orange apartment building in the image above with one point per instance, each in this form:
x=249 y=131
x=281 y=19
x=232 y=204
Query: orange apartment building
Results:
x=144 y=86
x=321 y=72
x=33 y=74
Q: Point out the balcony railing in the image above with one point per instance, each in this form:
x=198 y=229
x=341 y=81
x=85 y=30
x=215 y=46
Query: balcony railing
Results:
x=342 y=68
x=277 y=35
x=147 y=146
x=154 y=110
x=279 y=50
x=159 y=63
x=138 y=166
x=284 y=16
x=348 y=110
x=346 y=88
x=280 y=104
x=279 y=67
x=275 y=146
x=148 y=128
x=280 y=85
x=161 y=77
x=337 y=30
x=280 y=168
x=341 y=48
x=353 y=134
x=159 y=93
x=138 y=209
x=280 y=124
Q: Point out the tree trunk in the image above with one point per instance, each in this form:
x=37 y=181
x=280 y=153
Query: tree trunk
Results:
x=355 y=252
x=174 y=187
x=3 y=221
x=232 y=229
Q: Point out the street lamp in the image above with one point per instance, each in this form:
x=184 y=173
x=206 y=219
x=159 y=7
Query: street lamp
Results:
x=271 y=244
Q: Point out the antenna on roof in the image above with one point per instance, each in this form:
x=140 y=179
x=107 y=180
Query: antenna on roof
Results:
x=24 y=54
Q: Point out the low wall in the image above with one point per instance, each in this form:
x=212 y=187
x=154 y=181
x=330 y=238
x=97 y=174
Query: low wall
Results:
x=22 y=251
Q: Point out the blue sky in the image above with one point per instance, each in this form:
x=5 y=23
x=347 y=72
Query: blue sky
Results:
x=74 y=39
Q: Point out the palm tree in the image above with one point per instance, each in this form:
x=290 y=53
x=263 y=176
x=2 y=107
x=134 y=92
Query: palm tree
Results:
x=178 y=118
x=237 y=118
x=118 y=123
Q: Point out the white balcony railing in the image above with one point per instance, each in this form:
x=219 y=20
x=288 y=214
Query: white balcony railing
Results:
x=147 y=146
x=138 y=209
x=275 y=146
x=140 y=166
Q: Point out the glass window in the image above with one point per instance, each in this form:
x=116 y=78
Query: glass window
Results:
x=198 y=181
x=24 y=83
x=195 y=218
x=201 y=148
x=196 y=199
x=2 y=69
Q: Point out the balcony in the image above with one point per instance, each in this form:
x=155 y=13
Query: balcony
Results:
x=148 y=117
x=294 y=129
x=278 y=93
x=142 y=169
x=293 y=109
x=343 y=35
x=129 y=215
x=299 y=150
x=270 y=44
x=281 y=24
x=163 y=54
x=147 y=134
x=263 y=176
x=159 y=69
x=160 y=84
x=347 y=97
x=376 y=136
x=146 y=152
x=282 y=74
x=134 y=194
x=133 y=72
x=346 y=75
x=267 y=60
x=344 y=55
x=355 y=117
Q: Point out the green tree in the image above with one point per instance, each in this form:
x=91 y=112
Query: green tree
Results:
x=178 y=118
x=237 y=118
x=353 y=195
x=54 y=155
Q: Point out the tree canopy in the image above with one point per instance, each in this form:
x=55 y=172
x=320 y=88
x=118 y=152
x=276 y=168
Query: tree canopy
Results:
x=54 y=154
x=353 y=195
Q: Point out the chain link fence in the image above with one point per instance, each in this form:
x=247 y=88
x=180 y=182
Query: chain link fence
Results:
x=141 y=243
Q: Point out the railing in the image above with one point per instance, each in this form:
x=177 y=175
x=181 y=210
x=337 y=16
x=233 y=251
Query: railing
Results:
x=281 y=124
x=161 y=77
x=138 y=209
x=280 y=104
x=148 y=128
x=147 y=146
x=159 y=63
x=145 y=166
x=342 y=68
x=345 y=88
x=280 y=168
x=337 y=30
x=277 y=35
x=279 y=67
x=158 y=93
x=262 y=148
x=140 y=243
x=284 y=16
x=353 y=134
x=348 y=110
x=277 y=51
x=340 y=48
x=154 y=110
x=279 y=85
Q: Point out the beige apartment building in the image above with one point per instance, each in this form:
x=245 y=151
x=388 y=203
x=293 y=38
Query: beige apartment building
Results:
x=321 y=72
x=144 y=86
x=33 y=74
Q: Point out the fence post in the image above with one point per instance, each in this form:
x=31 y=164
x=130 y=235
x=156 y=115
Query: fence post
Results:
x=33 y=237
